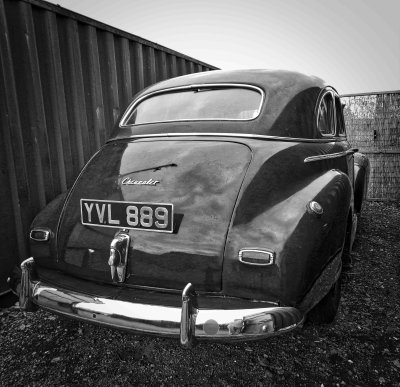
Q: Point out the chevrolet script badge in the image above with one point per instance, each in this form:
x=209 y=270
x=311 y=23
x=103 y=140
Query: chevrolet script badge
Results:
x=129 y=181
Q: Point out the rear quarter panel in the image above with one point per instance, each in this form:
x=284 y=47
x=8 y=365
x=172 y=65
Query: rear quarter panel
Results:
x=272 y=214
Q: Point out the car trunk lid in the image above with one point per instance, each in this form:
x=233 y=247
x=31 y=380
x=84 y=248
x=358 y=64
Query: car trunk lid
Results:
x=200 y=180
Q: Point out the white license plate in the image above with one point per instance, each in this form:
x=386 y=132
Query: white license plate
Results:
x=132 y=215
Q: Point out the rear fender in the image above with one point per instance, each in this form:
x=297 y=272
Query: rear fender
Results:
x=302 y=241
x=47 y=219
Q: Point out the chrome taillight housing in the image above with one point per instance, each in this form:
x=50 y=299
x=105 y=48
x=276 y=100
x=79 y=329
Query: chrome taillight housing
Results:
x=40 y=234
x=256 y=256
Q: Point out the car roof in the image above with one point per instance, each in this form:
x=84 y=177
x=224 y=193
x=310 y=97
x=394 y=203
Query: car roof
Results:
x=265 y=79
x=288 y=109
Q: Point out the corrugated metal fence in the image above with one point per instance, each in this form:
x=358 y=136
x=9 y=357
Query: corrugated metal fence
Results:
x=373 y=125
x=64 y=80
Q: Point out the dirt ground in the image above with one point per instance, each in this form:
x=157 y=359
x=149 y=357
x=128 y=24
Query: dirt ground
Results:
x=361 y=348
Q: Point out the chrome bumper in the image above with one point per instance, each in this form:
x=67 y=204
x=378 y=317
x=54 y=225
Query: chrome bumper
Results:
x=188 y=322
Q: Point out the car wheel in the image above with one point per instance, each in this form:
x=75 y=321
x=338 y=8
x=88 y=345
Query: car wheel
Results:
x=325 y=311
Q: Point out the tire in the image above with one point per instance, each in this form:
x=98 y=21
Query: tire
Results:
x=325 y=311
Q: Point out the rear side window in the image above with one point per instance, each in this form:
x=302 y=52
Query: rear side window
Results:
x=197 y=103
x=325 y=115
x=340 y=127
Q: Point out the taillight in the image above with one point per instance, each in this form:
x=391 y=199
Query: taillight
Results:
x=40 y=234
x=257 y=257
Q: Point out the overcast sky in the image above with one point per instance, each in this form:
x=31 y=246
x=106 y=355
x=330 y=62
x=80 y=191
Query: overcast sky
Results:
x=353 y=44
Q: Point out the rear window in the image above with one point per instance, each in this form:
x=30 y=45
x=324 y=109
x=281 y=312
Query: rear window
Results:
x=197 y=103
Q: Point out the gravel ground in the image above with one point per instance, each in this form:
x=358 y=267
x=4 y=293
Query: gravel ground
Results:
x=361 y=348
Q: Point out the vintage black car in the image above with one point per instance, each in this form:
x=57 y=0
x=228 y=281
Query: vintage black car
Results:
x=223 y=207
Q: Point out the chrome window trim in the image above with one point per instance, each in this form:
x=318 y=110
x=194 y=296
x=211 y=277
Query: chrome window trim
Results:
x=328 y=156
x=324 y=92
x=132 y=106
x=227 y=134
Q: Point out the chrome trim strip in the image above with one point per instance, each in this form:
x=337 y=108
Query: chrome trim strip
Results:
x=187 y=322
x=133 y=105
x=328 y=156
x=234 y=135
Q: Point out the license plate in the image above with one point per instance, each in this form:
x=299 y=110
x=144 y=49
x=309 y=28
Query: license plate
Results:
x=132 y=215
